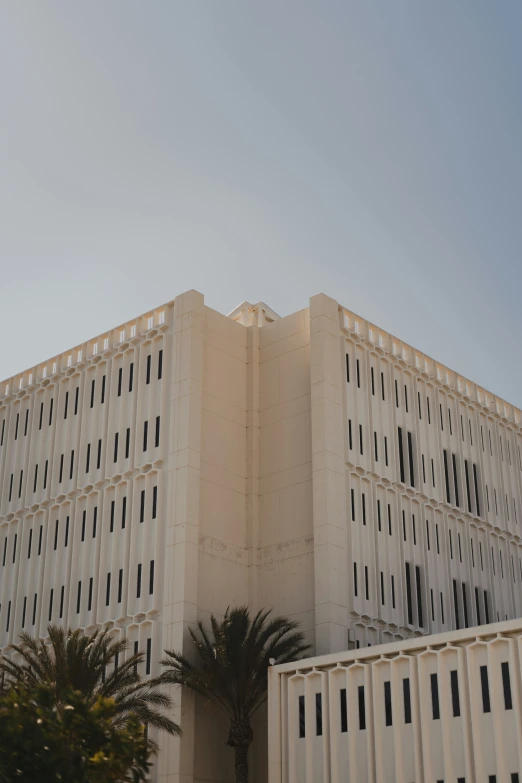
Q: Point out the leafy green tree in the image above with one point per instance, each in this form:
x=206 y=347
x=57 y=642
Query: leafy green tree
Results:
x=74 y=661
x=231 y=669
x=73 y=739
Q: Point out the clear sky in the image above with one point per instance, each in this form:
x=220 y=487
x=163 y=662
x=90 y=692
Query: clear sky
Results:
x=264 y=151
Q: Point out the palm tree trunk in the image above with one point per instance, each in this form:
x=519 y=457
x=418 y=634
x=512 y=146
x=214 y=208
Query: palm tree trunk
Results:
x=241 y=754
x=240 y=738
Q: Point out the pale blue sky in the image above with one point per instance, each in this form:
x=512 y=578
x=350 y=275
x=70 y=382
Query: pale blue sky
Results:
x=264 y=150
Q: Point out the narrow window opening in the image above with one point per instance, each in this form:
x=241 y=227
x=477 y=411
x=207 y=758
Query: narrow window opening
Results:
x=435 y=697
x=387 y=703
x=455 y=699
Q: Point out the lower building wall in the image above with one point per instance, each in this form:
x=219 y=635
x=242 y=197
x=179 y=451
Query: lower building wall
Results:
x=440 y=709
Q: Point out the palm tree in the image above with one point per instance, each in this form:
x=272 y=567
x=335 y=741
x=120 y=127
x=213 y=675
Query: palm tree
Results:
x=232 y=668
x=76 y=661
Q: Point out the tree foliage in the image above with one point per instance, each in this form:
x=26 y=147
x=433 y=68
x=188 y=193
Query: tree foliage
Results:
x=93 y=665
x=231 y=668
x=73 y=739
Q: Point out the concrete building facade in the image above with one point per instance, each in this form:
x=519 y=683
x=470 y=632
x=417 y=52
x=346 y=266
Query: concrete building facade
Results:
x=188 y=460
x=442 y=709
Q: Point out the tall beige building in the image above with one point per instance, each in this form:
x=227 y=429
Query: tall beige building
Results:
x=187 y=461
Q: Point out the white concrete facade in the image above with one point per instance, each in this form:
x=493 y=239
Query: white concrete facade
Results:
x=442 y=709
x=203 y=461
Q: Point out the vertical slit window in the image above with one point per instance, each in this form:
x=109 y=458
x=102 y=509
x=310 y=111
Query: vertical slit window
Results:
x=344 y=711
x=3 y=432
x=56 y=536
x=104 y=381
x=30 y=543
x=149 y=655
x=151 y=578
x=386 y=450
x=60 y=477
x=352 y=502
x=393 y=591
x=455 y=480
x=455 y=699
x=78 y=597
x=375 y=447
x=26 y=421
x=363 y=499
x=301 y=717
x=355 y=579
x=449 y=419
x=373 y=382
x=123 y=512
x=379 y=514
x=456 y=605
x=406 y=397
x=506 y=685
x=120 y=585
x=71 y=466
x=76 y=396
x=441 y=419
x=127 y=443
x=362 y=708
x=41 y=415
x=428 y=534
x=442 y=608
x=408 y=594
x=382 y=386
x=477 y=605
x=360 y=438
x=111 y=529
x=89 y=603
x=396 y=394
x=366 y=585
x=407 y=699
x=8 y=615
x=147 y=380
x=51 y=594
x=131 y=375
x=108 y=590
x=475 y=480
x=20 y=484
x=382 y=588
x=465 y=605
x=62 y=596
x=389 y=520
x=468 y=491
x=94 y=521
x=414 y=531
x=423 y=470
x=138 y=582
x=14 y=546
x=154 y=502
x=419 y=596
x=435 y=708
x=88 y=460
x=16 y=427
x=387 y=703
x=358 y=367
x=23 y=611
x=11 y=488
x=350 y=441
x=419 y=401
x=120 y=380
x=432 y=605
x=142 y=505
x=484 y=684
x=40 y=540
x=98 y=460
x=145 y=434
x=318 y=714
x=93 y=384
x=116 y=438
x=347 y=369
x=157 y=436
x=401 y=455
x=446 y=476
x=486 y=607
x=160 y=364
